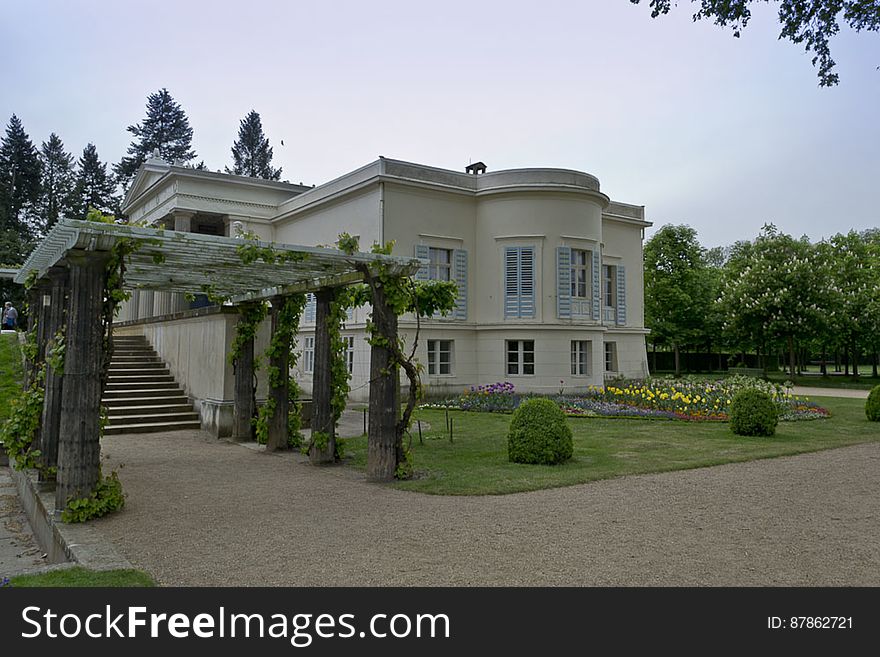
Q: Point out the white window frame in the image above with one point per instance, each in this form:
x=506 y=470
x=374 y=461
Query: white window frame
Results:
x=611 y=357
x=348 y=342
x=309 y=354
x=585 y=268
x=435 y=362
x=521 y=363
x=438 y=269
x=609 y=286
x=581 y=357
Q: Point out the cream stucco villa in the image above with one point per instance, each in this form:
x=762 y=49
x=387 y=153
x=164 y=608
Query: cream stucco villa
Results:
x=548 y=267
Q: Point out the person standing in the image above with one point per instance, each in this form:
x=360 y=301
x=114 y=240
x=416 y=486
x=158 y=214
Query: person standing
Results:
x=10 y=316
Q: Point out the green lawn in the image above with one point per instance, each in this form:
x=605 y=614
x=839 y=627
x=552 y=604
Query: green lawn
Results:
x=10 y=371
x=476 y=463
x=81 y=577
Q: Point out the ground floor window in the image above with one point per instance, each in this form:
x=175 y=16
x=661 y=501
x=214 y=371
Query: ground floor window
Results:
x=610 y=356
x=520 y=357
x=580 y=357
x=309 y=355
x=440 y=354
x=348 y=343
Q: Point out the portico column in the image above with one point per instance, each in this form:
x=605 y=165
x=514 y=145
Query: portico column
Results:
x=279 y=361
x=51 y=421
x=322 y=412
x=183 y=220
x=79 y=450
x=243 y=410
x=182 y=223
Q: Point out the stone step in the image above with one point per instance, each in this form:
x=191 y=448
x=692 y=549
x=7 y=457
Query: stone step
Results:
x=158 y=377
x=149 y=409
x=147 y=370
x=123 y=350
x=146 y=418
x=152 y=427
x=130 y=342
x=137 y=364
x=127 y=401
x=137 y=385
x=125 y=361
x=135 y=393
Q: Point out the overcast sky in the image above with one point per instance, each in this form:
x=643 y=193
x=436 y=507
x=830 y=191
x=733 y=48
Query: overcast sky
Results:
x=720 y=133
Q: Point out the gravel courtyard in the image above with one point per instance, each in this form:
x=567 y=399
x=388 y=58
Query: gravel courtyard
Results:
x=203 y=512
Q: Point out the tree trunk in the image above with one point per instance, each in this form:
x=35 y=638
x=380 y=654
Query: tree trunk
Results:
x=875 y=365
x=845 y=362
x=823 y=367
x=382 y=450
x=322 y=391
x=791 y=356
x=277 y=438
x=79 y=450
x=654 y=345
x=855 y=358
x=243 y=411
x=51 y=420
x=677 y=360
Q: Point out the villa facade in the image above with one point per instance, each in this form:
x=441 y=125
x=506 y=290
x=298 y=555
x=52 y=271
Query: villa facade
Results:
x=549 y=271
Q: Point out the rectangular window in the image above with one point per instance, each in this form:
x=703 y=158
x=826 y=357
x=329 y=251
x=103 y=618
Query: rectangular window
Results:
x=610 y=356
x=609 y=281
x=520 y=357
x=440 y=268
x=309 y=355
x=519 y=281
x=580 y=274
x=348 y=342
x=580 y=357
x=440 y=355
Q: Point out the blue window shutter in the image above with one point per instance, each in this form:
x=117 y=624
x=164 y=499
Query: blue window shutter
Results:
x=597 y=284
x=309 y=310
x=460 y=275
x=511 y=282
x=527 y=282
x=563 y=281
x=422 y=252
x=621 y=295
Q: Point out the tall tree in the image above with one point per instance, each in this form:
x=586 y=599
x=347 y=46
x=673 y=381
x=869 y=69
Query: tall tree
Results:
x=57 y=181
x=165 y=129
x=19 y=181
x=94 y=187
x=676 y=292
x=811 y=22
x=251 y=153
x=781 y=293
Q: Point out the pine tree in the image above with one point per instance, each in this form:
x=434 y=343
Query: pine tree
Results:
x=19 y=180
x=165 y=129
x=251 y=153
x=57 y=182
x=94 y=187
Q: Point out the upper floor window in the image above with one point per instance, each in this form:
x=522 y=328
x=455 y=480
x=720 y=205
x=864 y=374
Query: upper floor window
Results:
x=609 y=286
x=580 y=274
x=519 y=281
x=440 y=268
x=309 y=355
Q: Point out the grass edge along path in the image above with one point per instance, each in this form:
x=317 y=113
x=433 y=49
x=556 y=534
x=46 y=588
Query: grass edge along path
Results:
x=475 y=463
x=80 y=577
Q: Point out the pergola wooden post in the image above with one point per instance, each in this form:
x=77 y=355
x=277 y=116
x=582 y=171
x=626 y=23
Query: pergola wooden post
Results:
x=51 y=422
x=244 y=408
x=37 y=328
x=79 y=451
x=322 y=412
x=277 y=438
x=382 y=457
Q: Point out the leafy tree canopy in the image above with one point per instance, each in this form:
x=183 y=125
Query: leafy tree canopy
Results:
x=811 y=22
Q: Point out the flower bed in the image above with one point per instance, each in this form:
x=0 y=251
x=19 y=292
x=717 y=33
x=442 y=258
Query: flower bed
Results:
x=674 y=399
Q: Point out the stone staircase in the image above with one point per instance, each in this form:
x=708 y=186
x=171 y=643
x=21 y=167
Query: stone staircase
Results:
x=141 y=394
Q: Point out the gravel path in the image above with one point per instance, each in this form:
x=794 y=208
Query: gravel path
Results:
x=806 y=391
x=202 y=512
x=19 y=552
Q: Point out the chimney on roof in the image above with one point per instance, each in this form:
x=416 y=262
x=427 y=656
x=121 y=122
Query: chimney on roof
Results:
x=476 y=168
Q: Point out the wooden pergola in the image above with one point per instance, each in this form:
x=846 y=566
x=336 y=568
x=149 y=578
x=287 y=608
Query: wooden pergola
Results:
x=70 y=277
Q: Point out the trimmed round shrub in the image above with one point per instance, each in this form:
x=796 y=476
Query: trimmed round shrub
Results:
x=872 y=405
x=753 y=413
x=539 y=434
